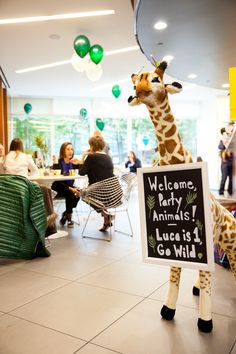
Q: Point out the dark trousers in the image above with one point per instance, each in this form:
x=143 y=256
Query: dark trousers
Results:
x=227 y=171
x=63 y=192
x=47 y=196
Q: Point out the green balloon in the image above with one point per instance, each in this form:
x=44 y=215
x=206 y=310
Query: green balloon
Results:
x=100 y=124
x=27 y=108
x=96 y=53
x=81 y=45
x=116 y=91
x=83 y=112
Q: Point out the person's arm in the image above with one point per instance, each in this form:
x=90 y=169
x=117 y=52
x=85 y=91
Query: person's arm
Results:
x=127 y=164
x=138 y=163
x=83 y=169
x=33 y=169
x=221 y=145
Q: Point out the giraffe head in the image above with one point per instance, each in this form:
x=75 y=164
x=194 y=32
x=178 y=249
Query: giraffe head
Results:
x=150 y=88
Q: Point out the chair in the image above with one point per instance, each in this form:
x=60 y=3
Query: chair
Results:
x=128 y=181
x=103 y=195
x=23 y=219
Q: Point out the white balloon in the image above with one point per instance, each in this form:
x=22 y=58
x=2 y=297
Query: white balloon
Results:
x=79 y=64
x=93 y=71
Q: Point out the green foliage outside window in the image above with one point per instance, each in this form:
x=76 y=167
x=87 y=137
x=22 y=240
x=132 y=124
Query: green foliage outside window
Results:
x=55 y=130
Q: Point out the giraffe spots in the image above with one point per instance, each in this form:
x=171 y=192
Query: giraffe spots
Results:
x=159 y=137
x=155 y=123
x=171 y=131
x=162 y=149
x=162 y=128
x=167 y=110
x=181 y=150
x=164 y=106
x=170 y=145
x=161 y=96
x=169 y=118
x=163 y=163
x=224 y=227
x=158 y=115
x=174 y=160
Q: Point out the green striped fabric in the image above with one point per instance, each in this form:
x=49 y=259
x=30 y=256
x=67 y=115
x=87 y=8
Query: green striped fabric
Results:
x=23 y=219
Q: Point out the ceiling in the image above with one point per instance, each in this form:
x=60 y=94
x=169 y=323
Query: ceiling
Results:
x=197 y=36
x=200 y=35
x=27 y=45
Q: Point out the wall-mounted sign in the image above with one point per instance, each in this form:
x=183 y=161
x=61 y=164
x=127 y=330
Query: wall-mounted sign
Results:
x=176 y=226
x=232 y=90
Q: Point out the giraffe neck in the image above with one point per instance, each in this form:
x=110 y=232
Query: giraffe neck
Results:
x=170 y=146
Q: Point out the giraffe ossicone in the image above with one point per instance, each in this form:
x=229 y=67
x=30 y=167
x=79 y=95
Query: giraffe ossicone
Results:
x=150 y=90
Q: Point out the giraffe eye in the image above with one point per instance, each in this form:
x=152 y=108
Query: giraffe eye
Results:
x=134 y=87
x=155 y=79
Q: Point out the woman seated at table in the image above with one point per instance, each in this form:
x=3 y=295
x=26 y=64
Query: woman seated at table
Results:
x=98 y=166
x=19 y=163
x=133 y=162
x=66 y=189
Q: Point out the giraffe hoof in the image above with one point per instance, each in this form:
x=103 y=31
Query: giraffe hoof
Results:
x=205 y=326
x=167 y=313
x=196 y=291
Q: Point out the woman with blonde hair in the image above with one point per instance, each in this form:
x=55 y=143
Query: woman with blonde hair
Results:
x=133 y=162
x=98 y=166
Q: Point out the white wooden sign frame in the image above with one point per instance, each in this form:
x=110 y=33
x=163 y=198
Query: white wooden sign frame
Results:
x=209 y=265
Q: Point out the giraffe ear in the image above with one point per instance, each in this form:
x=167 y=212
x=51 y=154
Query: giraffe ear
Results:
x=134 y=78
x=175 y=87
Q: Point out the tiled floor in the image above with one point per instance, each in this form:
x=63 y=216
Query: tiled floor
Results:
x=96 y=297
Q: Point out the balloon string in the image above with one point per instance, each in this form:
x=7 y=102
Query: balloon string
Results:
x=140 y=70
x=154 y=62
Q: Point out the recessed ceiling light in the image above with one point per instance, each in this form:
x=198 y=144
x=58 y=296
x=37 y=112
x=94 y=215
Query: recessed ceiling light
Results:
x=54 y=36
x=192 y=76
x=225 y=85
x=168 y=58
x=59 y=63
x=160 y=25
x=56 y=17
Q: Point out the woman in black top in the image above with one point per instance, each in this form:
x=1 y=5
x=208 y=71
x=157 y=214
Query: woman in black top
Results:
x=66 y=189
x=98 y=166
x=133 y=162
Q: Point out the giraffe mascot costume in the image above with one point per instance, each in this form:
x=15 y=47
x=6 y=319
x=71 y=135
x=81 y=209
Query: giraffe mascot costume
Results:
x=151 y=90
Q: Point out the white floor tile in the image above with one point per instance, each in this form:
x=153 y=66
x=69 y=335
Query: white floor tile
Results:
x=142 y=331
x=137 y=279
x=18 y=287
x=95 y=349
x=68 y=265
x=79 y=310
x=18 y=336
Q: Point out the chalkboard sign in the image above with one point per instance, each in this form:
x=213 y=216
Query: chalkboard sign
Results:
x=176 y=227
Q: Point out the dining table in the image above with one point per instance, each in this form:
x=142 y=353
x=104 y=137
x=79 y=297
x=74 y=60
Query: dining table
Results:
x=47 y=180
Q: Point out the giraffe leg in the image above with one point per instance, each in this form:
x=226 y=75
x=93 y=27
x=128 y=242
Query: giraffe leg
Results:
x=232 y=261
x=168 y=310
x=205 y=323
x=196 y=287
